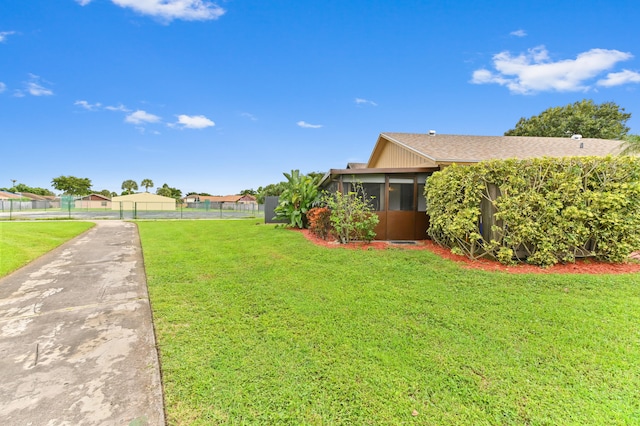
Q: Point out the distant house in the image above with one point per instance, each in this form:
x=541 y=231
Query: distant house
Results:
x=401 y=162
x=143 y=201
x=218 y=200
x=30 y=201
x=237 y=199
x=93 y=201
x=4 y=195
x=35 y=197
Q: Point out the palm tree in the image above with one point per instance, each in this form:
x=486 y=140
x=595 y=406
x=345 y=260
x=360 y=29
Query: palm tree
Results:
x=631 y=145
x=147 y=183
x=129 y=186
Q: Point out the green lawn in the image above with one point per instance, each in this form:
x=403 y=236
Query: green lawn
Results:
x=21 y=242
x=257 y=326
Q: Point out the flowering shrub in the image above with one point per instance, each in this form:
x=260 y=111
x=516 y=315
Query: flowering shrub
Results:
x=319 y=219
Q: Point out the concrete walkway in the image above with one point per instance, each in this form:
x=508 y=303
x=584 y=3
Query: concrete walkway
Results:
x=76 y=336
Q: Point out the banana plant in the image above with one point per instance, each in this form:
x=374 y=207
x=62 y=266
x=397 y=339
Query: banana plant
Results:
x=298 y=197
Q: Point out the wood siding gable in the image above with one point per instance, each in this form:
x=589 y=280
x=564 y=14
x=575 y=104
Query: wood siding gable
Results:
x=388 y=154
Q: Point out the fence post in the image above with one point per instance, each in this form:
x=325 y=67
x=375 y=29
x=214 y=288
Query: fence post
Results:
x=135 y=209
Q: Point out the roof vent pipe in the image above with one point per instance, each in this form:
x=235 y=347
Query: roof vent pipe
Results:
x=576 y=137
x=432 y=132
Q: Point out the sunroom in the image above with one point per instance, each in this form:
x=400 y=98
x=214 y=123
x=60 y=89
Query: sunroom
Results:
x=397 y=196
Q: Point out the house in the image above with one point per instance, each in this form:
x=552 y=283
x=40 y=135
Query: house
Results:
x=30 y=201
x=217 y=201
x=35 y=197
x=143 y=201
x=93 y=201
x=400 y=163
x=4 y=195
x=9 y=200
x=42 y=201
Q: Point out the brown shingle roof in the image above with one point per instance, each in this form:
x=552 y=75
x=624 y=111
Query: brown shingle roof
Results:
x=4 y=195
x=31 y=196
x=95 y=197
x=471 y=149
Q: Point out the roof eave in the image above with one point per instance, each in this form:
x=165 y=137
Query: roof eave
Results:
x=373 y=171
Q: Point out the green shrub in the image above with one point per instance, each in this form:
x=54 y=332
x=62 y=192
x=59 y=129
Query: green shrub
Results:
x=352 y=215
x=297 y=198
x=546 y=210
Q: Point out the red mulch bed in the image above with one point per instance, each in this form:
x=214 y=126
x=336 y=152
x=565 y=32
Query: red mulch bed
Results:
x=586 y=266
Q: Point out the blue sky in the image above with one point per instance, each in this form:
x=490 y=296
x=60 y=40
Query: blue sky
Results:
x=222 y=96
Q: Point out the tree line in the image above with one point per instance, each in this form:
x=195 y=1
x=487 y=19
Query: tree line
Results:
x=80 y=186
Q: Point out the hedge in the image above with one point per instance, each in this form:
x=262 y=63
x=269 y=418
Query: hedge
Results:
x=544 y=210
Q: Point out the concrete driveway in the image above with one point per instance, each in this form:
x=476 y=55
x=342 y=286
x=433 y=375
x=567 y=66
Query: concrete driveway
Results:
x=76 y=336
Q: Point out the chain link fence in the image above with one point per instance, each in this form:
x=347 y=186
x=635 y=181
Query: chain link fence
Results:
x=16 y=210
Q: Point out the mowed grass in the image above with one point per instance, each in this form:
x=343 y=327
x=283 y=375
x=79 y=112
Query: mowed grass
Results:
x=21 y=242
x=256 y=325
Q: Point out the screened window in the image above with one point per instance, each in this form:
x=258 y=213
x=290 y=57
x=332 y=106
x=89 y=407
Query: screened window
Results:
x=373 y=192
x=332 y=187
x=401 y=196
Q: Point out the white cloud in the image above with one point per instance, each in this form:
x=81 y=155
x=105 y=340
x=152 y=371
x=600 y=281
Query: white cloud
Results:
x=140 y=117
x=188 y=10
x=518 y=33
x=534 y=71
x=3 y=87
x=249 y=116
x=144 y=131
x=361 y=101
x=193 y=122
x=483 y=76
x=35 y=88
x=86 y=105
x=306 y=125
x=120 y=107
x=619 y=78
x=4 y=34
x=83 y=2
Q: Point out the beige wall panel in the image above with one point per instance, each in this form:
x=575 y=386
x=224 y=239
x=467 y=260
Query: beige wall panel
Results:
x=92 y=204
x=393 y=156
x=143 y=202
